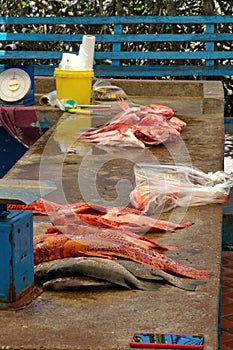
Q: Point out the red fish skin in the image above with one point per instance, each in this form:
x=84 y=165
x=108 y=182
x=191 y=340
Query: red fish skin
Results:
x=109 y=234
x=115 y=217
x=70 y=218
x=177 y=123
x=50 y=247
x=45 y=207
x=132 y=135
x=139 y=222
x=86 y=208
x=98 y=215
x=40 y=206
x=155 y=135
x=132 y=115
x=108 y=128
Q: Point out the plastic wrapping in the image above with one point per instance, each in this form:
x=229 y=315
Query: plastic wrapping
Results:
x=49 y=99
x=160 y=188
x=102 y=90
x=138 y=126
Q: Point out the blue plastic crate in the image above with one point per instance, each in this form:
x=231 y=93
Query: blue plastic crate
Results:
x=16 y=255
x=10 y=151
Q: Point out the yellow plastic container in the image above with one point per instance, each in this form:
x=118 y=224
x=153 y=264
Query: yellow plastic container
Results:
x=74 y=85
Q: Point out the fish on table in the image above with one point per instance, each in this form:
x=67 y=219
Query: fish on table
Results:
x=138 y=126
x=54 y=246
x=98 y=215
x=157 y=196
x=117 y=235
x=40 y=206
x=161 y=187
x=80 y=283
x=90 y=273
x=151 y=274
x=97 y=268
x=75 y=232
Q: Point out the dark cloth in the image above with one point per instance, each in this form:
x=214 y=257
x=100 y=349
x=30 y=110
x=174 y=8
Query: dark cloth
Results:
x=22 y=123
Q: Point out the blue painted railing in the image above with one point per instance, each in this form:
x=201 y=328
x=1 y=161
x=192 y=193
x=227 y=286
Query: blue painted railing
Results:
x=126 y=54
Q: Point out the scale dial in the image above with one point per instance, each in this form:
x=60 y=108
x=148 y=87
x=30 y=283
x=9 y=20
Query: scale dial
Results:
x=15 y=83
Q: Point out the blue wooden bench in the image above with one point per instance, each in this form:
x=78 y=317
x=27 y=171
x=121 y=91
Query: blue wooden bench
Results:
x=121 y=53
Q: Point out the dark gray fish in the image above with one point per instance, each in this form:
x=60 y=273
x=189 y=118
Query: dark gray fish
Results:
x=123 y=273
x=81 y=283
x=99 y=268
x=148 y=273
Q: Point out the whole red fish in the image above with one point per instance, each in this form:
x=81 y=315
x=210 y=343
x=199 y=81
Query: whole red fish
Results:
x=57 y=246
x=109 y=234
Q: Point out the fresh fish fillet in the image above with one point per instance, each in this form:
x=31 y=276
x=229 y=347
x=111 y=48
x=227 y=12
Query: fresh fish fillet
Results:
x=80 y=213
x=107 y=234
x=52 y=247
x=40 y=206
x=137 y=127
x=115 y=217
x=156 y=197
x=121 y=135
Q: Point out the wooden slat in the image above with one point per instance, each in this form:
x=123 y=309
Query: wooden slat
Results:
x=121 y=38
x=123 y=55
x=116 y=53
x=116 y=19
x=145 y=71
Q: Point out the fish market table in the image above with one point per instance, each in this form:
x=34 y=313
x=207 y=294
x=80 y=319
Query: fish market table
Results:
x=106 y=319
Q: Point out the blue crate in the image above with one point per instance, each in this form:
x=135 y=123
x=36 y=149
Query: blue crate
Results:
x=10 y=151
x=16 y=256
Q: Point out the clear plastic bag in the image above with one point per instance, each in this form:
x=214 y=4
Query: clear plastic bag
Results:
x=162 y=187
x=178 y=172
x=102 y=90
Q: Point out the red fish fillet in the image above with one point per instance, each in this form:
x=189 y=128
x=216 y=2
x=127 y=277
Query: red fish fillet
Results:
x=98 y=215
x=113 y=235
x=51 y=247
x=115 y=217
x=40 y=206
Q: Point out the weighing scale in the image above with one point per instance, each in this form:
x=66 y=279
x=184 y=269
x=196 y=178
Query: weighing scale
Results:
x=17 y=85
x=16 y=233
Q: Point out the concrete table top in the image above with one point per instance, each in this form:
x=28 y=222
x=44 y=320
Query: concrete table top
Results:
x=106 y=319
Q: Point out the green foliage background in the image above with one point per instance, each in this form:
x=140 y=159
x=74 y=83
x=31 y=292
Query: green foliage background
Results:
x=114 y=7
x=119 y=7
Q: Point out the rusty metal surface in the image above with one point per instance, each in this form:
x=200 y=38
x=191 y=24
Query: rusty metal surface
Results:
x=106 y=319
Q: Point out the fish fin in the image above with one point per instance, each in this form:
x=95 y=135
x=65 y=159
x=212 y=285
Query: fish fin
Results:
x=100 y=255
x=180 y=282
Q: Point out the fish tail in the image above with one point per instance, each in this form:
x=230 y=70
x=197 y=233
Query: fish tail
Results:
x=160 y=261
x=152 y=244
x=167 y=226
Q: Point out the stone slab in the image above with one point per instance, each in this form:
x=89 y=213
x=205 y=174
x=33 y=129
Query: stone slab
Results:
x=106 y=319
